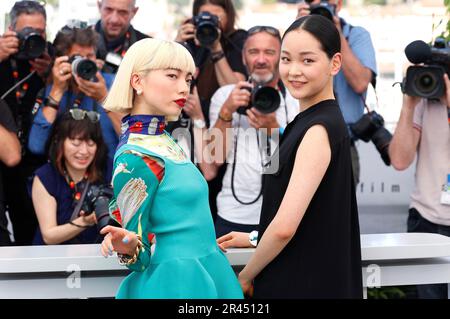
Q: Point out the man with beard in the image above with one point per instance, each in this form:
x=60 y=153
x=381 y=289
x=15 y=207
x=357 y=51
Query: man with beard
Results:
x=246 y=137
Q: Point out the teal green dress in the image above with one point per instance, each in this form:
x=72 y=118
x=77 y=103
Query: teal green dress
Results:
x=161 y=195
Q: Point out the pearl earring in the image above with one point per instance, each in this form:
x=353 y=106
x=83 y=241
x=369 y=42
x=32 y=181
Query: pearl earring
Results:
x=138 y=92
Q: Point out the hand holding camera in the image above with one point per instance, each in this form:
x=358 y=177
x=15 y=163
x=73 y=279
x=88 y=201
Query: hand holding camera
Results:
x=94 y=206
x=94 y=89
x=260 y=120
x=86 y=220
x=9 y=45
x=239 y=96
x=186 y=31
x=62 y=73
x=42 y=64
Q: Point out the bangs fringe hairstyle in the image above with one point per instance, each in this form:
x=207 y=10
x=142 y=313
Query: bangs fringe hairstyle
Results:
x=66 y=127
x=142 y=57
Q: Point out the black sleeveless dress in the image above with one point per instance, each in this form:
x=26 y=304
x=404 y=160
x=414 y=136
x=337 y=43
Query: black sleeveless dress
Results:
x=323 y=259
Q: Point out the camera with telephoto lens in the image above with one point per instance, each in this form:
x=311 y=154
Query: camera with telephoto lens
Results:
x=427 y=81
x=97 y=201
x=31 y=44
x=206 y=28
x=324 y=9
x=83 y=67
x=265 y=99
x=371 y=127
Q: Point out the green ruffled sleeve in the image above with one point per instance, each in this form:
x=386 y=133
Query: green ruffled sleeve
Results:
x=135 y=186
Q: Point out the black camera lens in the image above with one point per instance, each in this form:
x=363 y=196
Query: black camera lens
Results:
x=263 y=98
x=31 y=44
x=84 y=68
x=324 y=9
x=364 y=127
x=207 y=28
x=266 y=99
x=426 y=82
x=381 y=139
x=370 y=127
x=97 y=201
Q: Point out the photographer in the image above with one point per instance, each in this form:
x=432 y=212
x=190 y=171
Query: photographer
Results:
x=239 y=202
x=116 y=32
x=77 y=153
x=25 y=60
x=358 y=66
x=10 y=156
x=423 y=130
x=76 y=84
x=218 y=57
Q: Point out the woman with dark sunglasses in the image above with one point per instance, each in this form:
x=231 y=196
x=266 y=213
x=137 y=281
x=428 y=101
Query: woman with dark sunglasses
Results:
x=77 y=153
x=76 y=84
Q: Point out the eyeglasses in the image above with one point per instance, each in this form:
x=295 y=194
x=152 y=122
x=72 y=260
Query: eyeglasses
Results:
x=264 y=28
x=79 y=114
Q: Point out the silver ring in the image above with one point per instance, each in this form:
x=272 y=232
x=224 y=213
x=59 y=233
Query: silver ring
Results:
x=61 y=72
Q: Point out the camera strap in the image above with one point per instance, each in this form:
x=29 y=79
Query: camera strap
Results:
x=233 y=169
x=79 y=199
x=21 y=89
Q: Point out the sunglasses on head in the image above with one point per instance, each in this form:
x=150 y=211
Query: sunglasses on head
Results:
x=264 y=28
x=79 y=114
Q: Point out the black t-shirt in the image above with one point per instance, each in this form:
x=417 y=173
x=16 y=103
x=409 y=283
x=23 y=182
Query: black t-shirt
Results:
x=6 y=118
x=20 y=108
x=7 y=121
x=323 y=259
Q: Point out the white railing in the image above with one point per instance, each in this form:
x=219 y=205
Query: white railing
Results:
x=79 y=271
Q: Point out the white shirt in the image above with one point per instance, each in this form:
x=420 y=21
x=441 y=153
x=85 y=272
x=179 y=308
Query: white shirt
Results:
x=248 y=171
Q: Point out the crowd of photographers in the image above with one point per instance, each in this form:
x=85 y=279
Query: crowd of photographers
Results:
x=59 y=142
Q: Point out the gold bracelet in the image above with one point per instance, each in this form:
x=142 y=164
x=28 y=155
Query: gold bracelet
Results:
x=126 y=260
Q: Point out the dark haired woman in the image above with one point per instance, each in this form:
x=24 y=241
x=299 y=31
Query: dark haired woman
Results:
x=309 y=243
x=77 y=155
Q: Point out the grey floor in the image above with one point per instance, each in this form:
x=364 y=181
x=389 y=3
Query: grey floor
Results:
x=382 y=219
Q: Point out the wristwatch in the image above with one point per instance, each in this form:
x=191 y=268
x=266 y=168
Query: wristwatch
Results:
x=253 y=238
x=199 y=123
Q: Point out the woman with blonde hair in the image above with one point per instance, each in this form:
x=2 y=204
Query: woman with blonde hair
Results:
x=159 y=195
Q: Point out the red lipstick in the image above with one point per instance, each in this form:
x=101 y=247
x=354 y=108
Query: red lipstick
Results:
x=181 y=102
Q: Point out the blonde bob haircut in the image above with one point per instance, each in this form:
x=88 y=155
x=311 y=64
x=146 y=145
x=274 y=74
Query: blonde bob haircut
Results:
x=142 y=57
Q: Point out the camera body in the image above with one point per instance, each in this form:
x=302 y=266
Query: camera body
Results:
x=324 y=9
x=265 y=99
x=206 y=28
x=370 y=127
x=97 y=200
x=426 y=80
x=83 y=67
x=113 y=61
x=31 y=44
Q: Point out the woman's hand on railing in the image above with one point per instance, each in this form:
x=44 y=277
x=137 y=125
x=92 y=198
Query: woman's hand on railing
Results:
x=235 y=240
